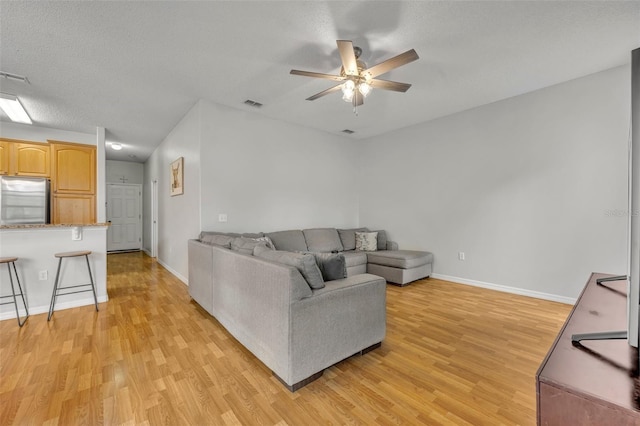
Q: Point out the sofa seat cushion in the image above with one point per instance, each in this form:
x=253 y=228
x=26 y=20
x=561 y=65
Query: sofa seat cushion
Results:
x=322 y=240
x=403 y=259
x=292 y=240
x=355 y=258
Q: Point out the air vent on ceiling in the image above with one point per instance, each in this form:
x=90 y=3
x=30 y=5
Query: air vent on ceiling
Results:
x=253 y=103
x=348 y=131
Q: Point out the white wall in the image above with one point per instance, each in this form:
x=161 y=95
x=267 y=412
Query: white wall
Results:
x=525 y=187
x=264 y=174
x=178 y=216
x=131 y=172
x=268 y=175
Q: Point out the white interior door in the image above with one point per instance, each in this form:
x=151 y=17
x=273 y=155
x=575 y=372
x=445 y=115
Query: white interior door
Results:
x=124 y=212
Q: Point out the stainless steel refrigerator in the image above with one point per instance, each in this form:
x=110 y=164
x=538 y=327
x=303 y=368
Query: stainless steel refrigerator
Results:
x=24 y=200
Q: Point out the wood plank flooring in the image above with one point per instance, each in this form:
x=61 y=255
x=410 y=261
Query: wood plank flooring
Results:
x=453 y=354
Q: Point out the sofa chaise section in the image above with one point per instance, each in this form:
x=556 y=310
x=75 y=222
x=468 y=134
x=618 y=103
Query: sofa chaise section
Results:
x=269 y=308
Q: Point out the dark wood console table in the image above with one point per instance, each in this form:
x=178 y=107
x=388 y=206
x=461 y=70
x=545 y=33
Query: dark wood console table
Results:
x=590 y=385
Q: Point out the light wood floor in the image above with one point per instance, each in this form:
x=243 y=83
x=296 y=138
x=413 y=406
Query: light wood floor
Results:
x=453 y=354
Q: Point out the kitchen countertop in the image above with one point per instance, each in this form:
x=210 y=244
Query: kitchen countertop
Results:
x=50 y=226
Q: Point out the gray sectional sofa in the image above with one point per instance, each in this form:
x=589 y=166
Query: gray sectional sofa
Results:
x=277 y=304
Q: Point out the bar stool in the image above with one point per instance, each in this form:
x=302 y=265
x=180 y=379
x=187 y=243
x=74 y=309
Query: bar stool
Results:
x=59 y=290
x=12 y=261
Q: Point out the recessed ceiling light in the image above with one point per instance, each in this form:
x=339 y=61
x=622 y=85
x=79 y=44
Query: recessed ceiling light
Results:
x=11 y=106
x=116 y=146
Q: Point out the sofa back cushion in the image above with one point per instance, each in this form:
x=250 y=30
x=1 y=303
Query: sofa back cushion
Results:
x=217 y=239
x=348 y=237
x=382 y=239
x=305 y=263
x=246 y=245
x=253 y=234
x=323 y=240
x=292 y=240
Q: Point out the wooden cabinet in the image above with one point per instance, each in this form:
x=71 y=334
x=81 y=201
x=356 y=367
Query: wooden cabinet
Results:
x=31 y=159
x=21 y=158
x=74 y=209
x=590 y=383
x=4 y=157
x=73 y=183
x=74 y=168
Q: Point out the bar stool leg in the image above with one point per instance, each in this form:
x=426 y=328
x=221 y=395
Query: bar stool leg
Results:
x=24 y=302
x=55 y=291
x=93 y=287
x=13 y=291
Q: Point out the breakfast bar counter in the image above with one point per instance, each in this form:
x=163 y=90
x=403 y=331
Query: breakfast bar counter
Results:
x=35 y=246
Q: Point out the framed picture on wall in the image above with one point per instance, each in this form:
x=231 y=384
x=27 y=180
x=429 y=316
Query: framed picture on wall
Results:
x=177 y=177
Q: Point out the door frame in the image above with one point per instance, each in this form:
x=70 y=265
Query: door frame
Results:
x=154 y=218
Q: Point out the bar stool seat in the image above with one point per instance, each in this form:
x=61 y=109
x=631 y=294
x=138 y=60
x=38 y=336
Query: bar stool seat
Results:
x=73 y=253
x=12 y=261
x=59 y=290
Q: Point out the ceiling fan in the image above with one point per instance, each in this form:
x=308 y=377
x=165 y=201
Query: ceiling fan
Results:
x=356 y=80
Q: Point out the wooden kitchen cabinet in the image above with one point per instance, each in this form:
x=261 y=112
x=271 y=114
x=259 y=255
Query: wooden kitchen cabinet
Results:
x=31 y=159
x=74 y=168
x=4 y=157
x=74 y=209
x=22 y=158
x=73 y=183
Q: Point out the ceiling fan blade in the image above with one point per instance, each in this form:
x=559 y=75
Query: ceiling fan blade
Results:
x=349 y=64
x=389 y=64
x=317 y=75
x=389 y=85
x=324 y=92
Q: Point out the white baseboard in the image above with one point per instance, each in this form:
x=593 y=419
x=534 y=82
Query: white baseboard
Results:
x=147 y=251
x=507 y=289
x=35 y=310
x=173 y=271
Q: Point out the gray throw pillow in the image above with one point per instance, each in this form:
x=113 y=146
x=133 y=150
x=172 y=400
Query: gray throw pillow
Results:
x=333 y=266
x=305 y=263
x=246 y=245
x=348 y=237
x=366 y=241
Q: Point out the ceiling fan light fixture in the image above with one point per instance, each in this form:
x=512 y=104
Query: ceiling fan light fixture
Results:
x=348 y=88
x=11 y=106
x=364 y=88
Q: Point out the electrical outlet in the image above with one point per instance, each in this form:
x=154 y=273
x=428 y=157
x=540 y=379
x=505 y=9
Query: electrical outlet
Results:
x=222 y=217
x=43 y=275
x=460 y=255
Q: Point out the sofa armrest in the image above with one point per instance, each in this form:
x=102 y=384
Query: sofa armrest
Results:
x=392 y=245
x=339 y=320
x=201 y=274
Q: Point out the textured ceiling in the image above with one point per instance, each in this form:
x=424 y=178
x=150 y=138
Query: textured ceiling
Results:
x=136 y=68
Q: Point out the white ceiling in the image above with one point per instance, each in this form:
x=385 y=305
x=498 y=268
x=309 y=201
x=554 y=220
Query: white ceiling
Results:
x=136 y=68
